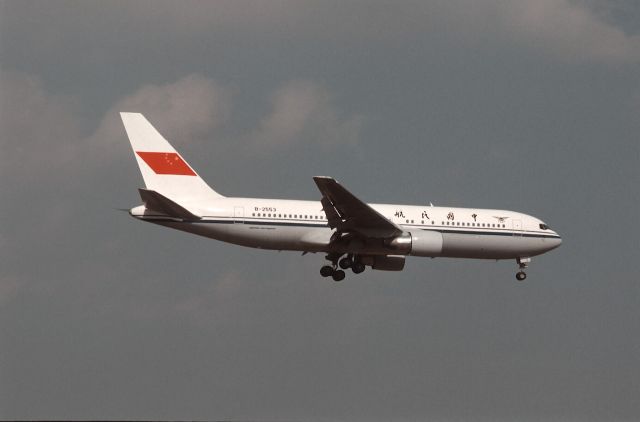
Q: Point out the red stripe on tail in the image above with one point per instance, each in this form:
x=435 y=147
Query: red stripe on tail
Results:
x=166 y=163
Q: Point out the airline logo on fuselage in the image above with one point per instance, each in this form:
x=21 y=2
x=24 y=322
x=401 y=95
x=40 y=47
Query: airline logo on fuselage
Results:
x=166 y=163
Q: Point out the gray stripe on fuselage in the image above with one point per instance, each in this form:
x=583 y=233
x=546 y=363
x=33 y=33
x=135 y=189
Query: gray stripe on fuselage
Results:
x=302 y=223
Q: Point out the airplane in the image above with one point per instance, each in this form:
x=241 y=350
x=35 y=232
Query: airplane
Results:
x=351 y=233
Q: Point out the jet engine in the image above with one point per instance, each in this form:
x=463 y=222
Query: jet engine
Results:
x=426 y=243
x=417 y=243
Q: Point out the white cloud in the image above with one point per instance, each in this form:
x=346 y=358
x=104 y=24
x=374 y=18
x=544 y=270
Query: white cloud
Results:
x=303 y=112
x=569 y=30
x=183 y=111
x=43 y=135
x=50 y=164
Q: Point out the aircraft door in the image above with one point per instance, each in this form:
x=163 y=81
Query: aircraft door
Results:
x=517 y=227
x=238 y=215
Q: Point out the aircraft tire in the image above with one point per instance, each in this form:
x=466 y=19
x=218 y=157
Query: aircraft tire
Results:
x=357 y=267
x=521 y=275
x=338 y=275
x=345 y=263
x=326 y=271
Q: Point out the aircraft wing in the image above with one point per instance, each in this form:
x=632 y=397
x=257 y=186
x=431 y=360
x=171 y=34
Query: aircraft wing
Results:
x=346 y=213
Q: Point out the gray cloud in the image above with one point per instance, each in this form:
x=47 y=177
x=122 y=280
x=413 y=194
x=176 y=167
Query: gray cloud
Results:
x=39 y=128
x=302 y=112
x=184 y=111
x=570 y=31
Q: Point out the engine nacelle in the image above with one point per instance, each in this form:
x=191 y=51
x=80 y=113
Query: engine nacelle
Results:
x=417 y=243
x=384 y=262
x=426 y=243
x=401 y=244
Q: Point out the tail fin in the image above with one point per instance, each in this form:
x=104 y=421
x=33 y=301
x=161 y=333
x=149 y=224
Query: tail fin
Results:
x=163 y=168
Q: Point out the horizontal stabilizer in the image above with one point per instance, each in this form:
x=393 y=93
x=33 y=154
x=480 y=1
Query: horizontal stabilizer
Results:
x=160 y=203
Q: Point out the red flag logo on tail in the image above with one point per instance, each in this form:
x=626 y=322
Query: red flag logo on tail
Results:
x=166 y=163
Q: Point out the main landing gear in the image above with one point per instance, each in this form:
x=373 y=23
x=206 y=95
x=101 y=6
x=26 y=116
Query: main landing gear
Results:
x=522 y=264
x=329 y=271
x=347 y=262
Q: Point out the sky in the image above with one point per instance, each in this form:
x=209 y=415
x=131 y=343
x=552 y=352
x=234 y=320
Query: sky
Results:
x=527 y=105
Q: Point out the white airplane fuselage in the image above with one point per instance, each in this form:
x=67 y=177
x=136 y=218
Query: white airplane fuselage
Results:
x=302 y=226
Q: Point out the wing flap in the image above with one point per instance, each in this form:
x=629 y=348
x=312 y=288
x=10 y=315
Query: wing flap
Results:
x=345 y=212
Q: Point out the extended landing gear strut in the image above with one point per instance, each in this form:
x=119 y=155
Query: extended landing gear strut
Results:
x=522 y=264
x=347 y=262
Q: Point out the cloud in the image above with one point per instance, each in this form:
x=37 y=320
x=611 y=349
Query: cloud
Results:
x=38 y=129
x=302 y=112
x=48 y=149
x=183 y=111
x=562 y=30
x=44 y=134
x=45 y=139
x=570 y=30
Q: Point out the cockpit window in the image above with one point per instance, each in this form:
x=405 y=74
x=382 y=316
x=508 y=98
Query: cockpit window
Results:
x=544 y=226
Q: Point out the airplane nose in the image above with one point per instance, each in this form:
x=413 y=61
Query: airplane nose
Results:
x=555 y=242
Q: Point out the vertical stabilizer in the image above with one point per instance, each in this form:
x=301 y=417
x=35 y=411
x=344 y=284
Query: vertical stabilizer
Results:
x=163 y=168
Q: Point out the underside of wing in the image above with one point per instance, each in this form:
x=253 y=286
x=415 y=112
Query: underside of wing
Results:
x=346 y=213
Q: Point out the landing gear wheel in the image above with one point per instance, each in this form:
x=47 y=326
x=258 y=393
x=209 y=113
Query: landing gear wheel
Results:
x=521 y=275
x=326 y=271
x=357 y=267
x=345 y=263
x=338 y=275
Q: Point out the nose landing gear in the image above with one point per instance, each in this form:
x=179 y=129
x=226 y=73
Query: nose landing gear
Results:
x=522 y=264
